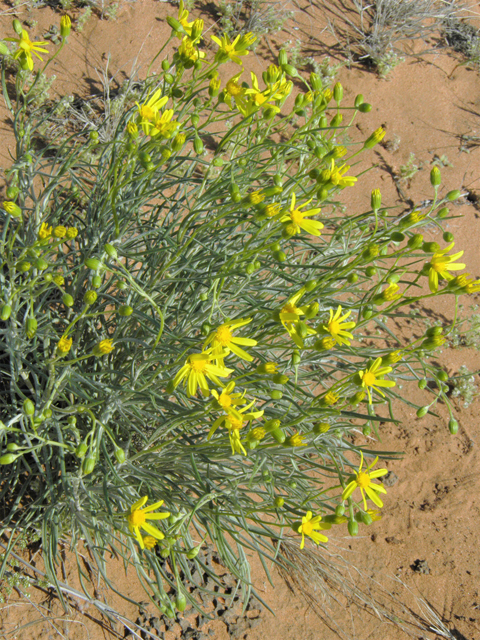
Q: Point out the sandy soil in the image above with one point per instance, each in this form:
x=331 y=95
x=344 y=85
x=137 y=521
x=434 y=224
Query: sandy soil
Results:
x=429 y=535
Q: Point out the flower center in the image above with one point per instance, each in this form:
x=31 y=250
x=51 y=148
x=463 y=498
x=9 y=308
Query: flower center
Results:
x=234 y=89
x=296 y=216
x=334 y=327
x=369 y=378
x=259 y=99
x=363 y=480
x=137 y=518
x=235 y=423
x=224 y=336
x=437 y=265
x=147 y=112
x=198 y=365
x=225 y=400
x=307 y=528
x=291 y=308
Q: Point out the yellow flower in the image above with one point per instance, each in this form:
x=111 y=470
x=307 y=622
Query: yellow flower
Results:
x=389 y=295
x=72 y=233
x=234 y=90
x=296 y=218
x=60 y=231
x=198 y=368
x=132 y=129
x=233 y=419
x=25 y=49
x=183 y=18
x=363 y=480
x=232 y=50
x=310 y=527
x=290 y=317
x=64 y=345
x=45 y=231
x=12 y=208
x=104 y=347
x=337 y=328
x=163 y=125
x=337 y=177
x=329 y=399
x=373 y=377
x=223 y=341
x=147 y=112
x=256 y=197
x=272 y=209
x=188 y=51
x=441 y=264
x=137 y=519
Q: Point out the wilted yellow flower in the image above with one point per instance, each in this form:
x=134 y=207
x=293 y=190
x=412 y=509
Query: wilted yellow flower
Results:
x=149 y=542
x=272 y=209
x=104 y=347
x=65 y=26
x=149 y=109
x=59 y=280
x=45 y=231
x=229 y=50
x=72 y=233
x=163 y=125
x=188 y=51
x=337 y=177
x=60 y=231
x=64 y=345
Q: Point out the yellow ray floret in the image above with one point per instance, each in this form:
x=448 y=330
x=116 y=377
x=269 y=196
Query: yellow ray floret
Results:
x=310 y=527
x=147 y=112
x=25 y=49
x=337 y=328
x=223 y=341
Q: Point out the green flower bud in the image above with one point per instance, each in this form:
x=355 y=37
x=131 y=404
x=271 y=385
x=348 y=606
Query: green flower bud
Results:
x=339 y=510
x=280 y=256
x=352 y=278
x=451 y=196
x=249 y=269
x=178 y=141
x=28 y=407
x=376 y=137
x=88 y=465
x=430 y=247
x=12 y=447
x=41 y=264
x=371 y=252
x=321 y=427
x=443 y=213
x=338 y=92
x=17 y=26
x=198 y=145
x=312 y=310
x=96 y=282
x=12 y=192
x=302 y=330
x=279 y=502
x=8 y=458
x=81 y=450
x=357 y=398
x=67 y=300
x=289 y=70
x=110 y=250
x=310 y=285
x=275 y=394
x=435 y=177
x=448 y=237
x=193 y=553
x=337 y=120
x=24 y=266
x=175 y=24
x=397 y=236
x=323 y=122
x=120 y=455
x=453 y=426
x=278 y=435
x=316 y=81
x=422 y=412
x=353 y=527
x=31 y=327
x=422 y=383
x=434 y=331
x=367 y=430
x=296 y=357
x=165 y=65
x=367 y=313
x=415 y=241
x=93 y=264
x=442 y=375
x=365 y=108
x=282 y=57
x=90 y=297
x=271 y=425
x=125 y=310
x=370 y=272
x=5 y=312
x=376 y=199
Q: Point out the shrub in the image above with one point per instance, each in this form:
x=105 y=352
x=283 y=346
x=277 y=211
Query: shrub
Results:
x=185 y=312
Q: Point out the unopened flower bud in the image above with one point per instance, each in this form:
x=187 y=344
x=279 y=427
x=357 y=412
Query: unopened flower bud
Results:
x=376 y=199
x=451 y=196
x=67 y=300
x=110 y=250
x=280 y=378
x=8 y=458
x=175 y=24
x=119 y=455
x=31 y=327
x=453 y=426
x=12 y=208
x=88 y=465
x=90 y=297
x=321 y=427
x=435 y=177
x=65 y=26
x=178 y=141
x=422 y=412
x=282 y=57
x=17 y=26
x=371 y=252
x=28 y=407
x=93 y=264
x=324 y=344
x=338 y=92
x=214 y=87
x=430 y=247
x=376 y=137
x=415 y=241
x=267 y=368
x=315 y=81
